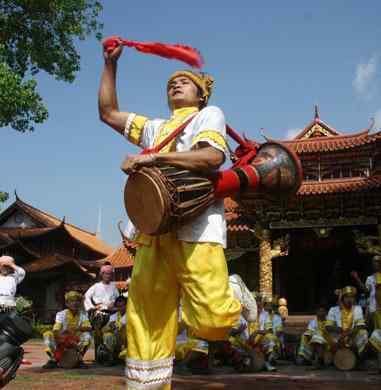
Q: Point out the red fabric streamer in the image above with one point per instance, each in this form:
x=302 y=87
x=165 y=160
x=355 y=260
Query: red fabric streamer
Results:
x=183 y=53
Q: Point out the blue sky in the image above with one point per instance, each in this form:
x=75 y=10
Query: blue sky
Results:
x=272 y=62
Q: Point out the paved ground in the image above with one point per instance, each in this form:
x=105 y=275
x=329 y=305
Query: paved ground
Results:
x=289 y=377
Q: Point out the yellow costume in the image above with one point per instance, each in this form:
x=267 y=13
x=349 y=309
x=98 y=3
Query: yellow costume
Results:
x=348 y=319
x=67 y=325
x=189 y=262
x=114 y=335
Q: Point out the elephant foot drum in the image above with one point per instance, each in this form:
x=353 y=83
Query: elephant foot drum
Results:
x=345 y=359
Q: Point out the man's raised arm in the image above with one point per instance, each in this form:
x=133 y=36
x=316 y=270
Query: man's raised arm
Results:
x=107 y=99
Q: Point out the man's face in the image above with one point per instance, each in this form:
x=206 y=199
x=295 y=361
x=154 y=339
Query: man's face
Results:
x=321 y=313
x=183 y=92
x=268 y=307
x=107 y=276
x=74 y=305
x=348 y=301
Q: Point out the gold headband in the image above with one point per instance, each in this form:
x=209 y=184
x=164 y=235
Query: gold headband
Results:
x=202 y=80
x=73 y=296
x=349 y=290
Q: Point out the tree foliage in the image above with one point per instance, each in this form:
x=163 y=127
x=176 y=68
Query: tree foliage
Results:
x=39 y=35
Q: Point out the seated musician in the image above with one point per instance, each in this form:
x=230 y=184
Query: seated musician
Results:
x=270 y=332
x=314 y=340
x=346 y=324
x=115 y=332
x=71 y=329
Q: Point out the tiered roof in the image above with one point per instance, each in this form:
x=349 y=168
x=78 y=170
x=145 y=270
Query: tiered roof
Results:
x=47 y=223
x=319 y=138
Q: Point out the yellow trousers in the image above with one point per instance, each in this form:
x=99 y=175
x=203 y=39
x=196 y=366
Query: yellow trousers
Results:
x=163 y=272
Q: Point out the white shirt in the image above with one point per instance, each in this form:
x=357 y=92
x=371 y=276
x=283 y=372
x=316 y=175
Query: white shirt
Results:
x=245 y=297
x=63 y=324
x=371 y=286
x=8 y=286
x=334 y=315
x=100 y=293
x=210 y=226
x=265 y=323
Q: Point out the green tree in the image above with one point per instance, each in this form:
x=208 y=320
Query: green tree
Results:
x=3 y=197
x=39 y=35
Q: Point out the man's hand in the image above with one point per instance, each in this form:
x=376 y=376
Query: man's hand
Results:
x=113 y=55
x=134 y=162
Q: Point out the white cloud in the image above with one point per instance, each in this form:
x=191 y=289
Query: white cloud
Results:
x=365 y=76
x=292 y=133
x=377 y=120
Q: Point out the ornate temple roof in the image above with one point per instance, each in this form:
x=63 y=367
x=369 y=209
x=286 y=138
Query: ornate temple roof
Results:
x=349 y=184
x=46 y=223
x=318 y=136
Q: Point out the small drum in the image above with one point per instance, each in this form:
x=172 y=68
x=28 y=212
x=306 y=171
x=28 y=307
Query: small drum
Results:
x=344 y=359
x=160 y=199
x=70 y=358
x=98 y=319
x=257 y=361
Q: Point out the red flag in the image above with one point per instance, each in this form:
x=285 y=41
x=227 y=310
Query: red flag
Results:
x=183 y=53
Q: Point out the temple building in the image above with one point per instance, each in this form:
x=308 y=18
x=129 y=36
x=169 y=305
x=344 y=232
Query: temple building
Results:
x=305 y=246
x=56 y=255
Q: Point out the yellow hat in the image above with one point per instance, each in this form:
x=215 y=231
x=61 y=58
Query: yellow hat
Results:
x=73 y=296
x=202 y=80
x=349 y=290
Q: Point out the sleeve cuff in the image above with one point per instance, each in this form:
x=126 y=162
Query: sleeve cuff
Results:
x=134 y=128
x=213 y=138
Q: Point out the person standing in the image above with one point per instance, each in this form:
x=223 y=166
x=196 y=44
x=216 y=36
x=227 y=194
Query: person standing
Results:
x=11 y=276
x=189 y=262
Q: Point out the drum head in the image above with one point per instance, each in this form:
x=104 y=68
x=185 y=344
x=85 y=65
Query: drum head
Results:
x=345 y=359
x=70 y=358
x=257 y=361
x=144 y=202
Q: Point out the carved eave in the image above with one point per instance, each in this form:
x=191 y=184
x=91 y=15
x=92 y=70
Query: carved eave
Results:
x=44 y=220
x=53 y=261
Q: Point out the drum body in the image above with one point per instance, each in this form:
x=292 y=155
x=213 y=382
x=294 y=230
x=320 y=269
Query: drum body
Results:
x=257 y=358
x=70 y=358
x=344 y=359
x=161 y=199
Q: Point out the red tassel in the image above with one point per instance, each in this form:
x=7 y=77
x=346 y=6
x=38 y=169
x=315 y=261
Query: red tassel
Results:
x=183 y=53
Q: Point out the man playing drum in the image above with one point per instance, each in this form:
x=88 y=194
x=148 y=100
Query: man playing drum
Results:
x=71 y=330
x=270 y=332
x=346 y=323
x=190 y=260
x=313 y=342
x=114 y=334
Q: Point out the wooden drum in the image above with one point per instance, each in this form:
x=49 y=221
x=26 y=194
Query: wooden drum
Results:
x=70 y=358
x=160 y=199
x=344 y=359
x=257 y=358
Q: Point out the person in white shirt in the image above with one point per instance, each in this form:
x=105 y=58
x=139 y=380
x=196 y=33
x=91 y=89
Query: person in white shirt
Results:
x=346 y=324
x=271 y=332
x=190 y=260
x=10 y=276
x=102 y=295
x=370 y=285
x=99 y=303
